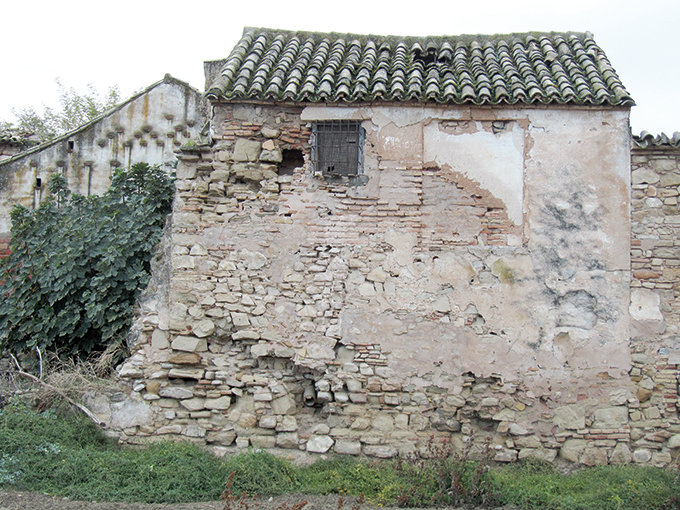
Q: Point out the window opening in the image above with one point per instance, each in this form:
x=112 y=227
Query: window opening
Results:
x=70 y=144
x=338 y=147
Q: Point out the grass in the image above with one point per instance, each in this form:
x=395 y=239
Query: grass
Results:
x=64 y=454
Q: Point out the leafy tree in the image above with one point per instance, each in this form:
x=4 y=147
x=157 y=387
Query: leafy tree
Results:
x=78 y=263
x=75 y=110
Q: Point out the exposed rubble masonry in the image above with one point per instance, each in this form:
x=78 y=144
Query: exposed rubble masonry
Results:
x=472 y=286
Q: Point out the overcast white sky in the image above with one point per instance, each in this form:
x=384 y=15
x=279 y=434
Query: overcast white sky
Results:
x=133 y=43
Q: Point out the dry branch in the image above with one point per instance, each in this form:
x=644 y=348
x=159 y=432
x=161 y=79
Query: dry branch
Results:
x=79 y=406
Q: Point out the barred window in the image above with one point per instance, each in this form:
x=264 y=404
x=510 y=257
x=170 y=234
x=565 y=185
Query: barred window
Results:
x=337 y=149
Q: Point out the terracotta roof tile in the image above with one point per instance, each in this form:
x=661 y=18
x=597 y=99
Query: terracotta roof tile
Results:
x=277 y=65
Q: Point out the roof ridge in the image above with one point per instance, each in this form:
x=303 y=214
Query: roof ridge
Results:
x=248 y=30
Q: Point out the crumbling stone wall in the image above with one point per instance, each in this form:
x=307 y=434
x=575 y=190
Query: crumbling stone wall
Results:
x=473 y=286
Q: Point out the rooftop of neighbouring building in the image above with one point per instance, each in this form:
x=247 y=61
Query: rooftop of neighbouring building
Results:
x=647 y=140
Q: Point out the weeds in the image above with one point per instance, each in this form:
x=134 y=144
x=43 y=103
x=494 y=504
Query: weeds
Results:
x=443 y=476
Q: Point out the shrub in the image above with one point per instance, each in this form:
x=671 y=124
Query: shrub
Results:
x=78 y=263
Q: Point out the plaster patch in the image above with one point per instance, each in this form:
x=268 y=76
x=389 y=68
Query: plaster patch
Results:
x=495 y=160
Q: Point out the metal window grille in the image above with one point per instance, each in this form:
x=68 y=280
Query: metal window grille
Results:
x=338 y=147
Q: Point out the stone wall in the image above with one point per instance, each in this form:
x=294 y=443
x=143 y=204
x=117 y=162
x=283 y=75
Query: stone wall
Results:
x=473 y=286
x=655 y=303
x=149 y=127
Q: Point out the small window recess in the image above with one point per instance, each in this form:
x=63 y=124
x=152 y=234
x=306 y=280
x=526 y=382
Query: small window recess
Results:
x=338 y=150
x=70 y=145
x=37 y=192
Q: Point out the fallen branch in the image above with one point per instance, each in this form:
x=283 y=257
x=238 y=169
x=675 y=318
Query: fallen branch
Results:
x=40 y=359
x=63 y=395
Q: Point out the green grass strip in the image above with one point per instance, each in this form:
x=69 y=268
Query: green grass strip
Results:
x=66 y=455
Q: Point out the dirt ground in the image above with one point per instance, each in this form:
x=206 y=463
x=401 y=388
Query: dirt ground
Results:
x=12 y=500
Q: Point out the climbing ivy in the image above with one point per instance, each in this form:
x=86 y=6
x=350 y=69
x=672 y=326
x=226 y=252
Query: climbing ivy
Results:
x=78 y=263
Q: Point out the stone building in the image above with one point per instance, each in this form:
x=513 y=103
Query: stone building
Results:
x=394 y=240
x=148 y=127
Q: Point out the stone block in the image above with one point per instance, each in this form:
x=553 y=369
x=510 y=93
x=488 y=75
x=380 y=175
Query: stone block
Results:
x=283 y=405
x=246 y=334
x=271 y=156
x=203 y=328
x=186 y=373
x=319 y=444
x=130 y=371
x=220 y=175
x=642 y=455
x=185 y=171
x=247 y=420
x=189 y=344
x=347 y=447
x=593 y=456
x=193 y=404
x=674 y=441
x=570 y=417
x=661 y=459
x=644 y=176
x=269 y=132
x=287 y=424
x=611 y=417
x=572 y=449
x=287 y=440
x=194 y=431
x=175 y=392
x=261 y=350
x=220 y=403
x=169 y=429
x=621 y=454
x=380 y=451
x=263 y=441
x=505 y=455
x=618 y=397
x=267 y=422
x=240 y=320
x=246 y=150
x=224 y=438
x=384 y=423
x=544 y=454
x=517 y=430
x=185 y=358
x=159 y=339
x=505 y=415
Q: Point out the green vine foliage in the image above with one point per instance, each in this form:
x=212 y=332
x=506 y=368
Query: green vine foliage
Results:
x=78 y=263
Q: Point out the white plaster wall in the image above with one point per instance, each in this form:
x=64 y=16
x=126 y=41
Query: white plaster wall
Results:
x=563 y=177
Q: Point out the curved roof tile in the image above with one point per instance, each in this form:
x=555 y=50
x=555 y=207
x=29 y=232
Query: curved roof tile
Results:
x=557 y=68
x=647 y=140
